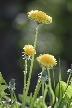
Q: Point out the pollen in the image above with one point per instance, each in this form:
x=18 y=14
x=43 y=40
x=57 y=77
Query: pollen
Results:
x=39 y=17
x=46 y=60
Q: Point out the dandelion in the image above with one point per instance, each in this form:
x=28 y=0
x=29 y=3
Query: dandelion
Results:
x=39 y=17
x=47 y=60
x=29 y=50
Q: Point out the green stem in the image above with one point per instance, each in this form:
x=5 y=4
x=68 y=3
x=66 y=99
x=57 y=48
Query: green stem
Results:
x=30 y=97
x=53 y=79
x=23 y=100
x=50 y=87
x=11 y=92
x=59 y=71
x=49 y=77
x=43 y=69
x=30 y=73
x=36 y=36
x=35 y=93
x=69 y=78
x=15 y=99
x=42 y=88
x=45 y=91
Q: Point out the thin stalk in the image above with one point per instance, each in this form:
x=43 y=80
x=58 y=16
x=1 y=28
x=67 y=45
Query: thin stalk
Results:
x=30 y=97
x=49 y=83
x=11 y=92
x=23 y=100
x=59 y=71
x=45 y=91
x=59 y=78
x=53 y=78
x=49 y=77
x=68 y=78
x=31 y=66
x=42 y=88
x=43 y=83
x=15 y=99
x=35 y=93
x=36 y=36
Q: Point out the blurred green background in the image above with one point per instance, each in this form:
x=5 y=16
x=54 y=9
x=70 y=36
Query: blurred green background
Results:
x=16 y=30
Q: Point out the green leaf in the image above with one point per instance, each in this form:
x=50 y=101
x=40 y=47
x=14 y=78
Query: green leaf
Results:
x=56 y=105
x=3 y=87
x=15 y=105
x=69 y=91
x=39 y=103
x=2 y=94
x=71 y=82
x=60 y=90
x=6 y=96
x=2 y=79
x=51 y=95
x=21 y=97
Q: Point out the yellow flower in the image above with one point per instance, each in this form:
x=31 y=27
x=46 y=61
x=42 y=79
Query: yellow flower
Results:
x=29 y=50
x=47 y=60
x=39 y=17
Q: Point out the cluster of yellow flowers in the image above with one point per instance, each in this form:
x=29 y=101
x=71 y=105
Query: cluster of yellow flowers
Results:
x=29 y=50
x=46 y=60
x=39 y=17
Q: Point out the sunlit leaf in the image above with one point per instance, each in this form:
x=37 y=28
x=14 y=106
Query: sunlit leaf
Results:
x=2 y=79
x=3 y=87
x=60 y=91
x=21 y=97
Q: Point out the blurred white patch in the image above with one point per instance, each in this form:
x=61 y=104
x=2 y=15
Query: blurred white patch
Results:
x=40 y=46
x=19 y=21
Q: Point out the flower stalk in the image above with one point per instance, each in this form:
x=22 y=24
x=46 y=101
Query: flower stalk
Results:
x=42 y=88
x=23 y=100
x=35 y=93
x=43 y=69
x=31 y=66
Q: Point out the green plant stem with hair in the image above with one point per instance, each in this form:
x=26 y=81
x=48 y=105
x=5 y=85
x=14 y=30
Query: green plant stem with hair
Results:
x=53 y=78
x=31 y=66
x=59 y=71
x=43 y=83
x=50 y=87
x=42 y=88
x=13 y=98
x=11 y=92
x=45 y=91
x=68 y=78
x=23 y=100
x=35 y=93
x=49 y=77
x=49 y=83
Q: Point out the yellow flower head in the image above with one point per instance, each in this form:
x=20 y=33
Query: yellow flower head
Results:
x=29 y=50
x=47 y=60
x=39 y=17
